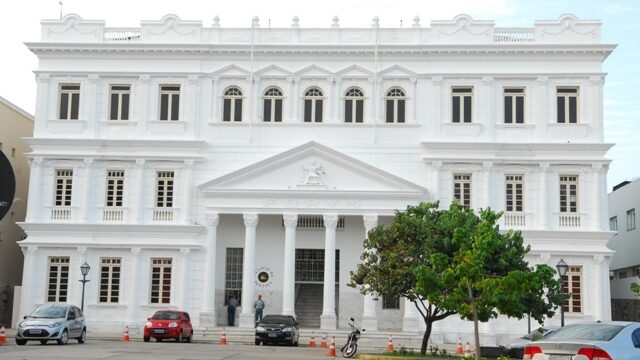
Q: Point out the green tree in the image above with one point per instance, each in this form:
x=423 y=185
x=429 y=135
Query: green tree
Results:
x=635 y=287
x=452 y=261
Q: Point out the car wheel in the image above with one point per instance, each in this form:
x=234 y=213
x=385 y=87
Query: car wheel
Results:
x=159 y=339
x=83 y=337
x=146 y=339
x=188 y=338
x=21 y=341
x=64 y=338
x=179 y=339
x=258 y=342
x=44 y=342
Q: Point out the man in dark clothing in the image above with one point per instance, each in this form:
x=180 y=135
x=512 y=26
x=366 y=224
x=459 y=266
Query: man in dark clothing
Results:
x=231 y=309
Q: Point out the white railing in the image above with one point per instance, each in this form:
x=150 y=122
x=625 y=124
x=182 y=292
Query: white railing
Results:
x=123 y=34
x=61 y=213
x=163 y=215
x=569 y=220
x=513 y=36
x=113 y=214
x=516 y=219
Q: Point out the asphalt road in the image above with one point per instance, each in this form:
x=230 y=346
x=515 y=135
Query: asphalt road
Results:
x=101 y=349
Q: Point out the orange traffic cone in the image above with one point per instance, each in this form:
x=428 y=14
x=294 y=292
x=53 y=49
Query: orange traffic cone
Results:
x=332 y=347
x=3 y=336
x=125 y=336
x=312 y=341
x=223 y=339
x=459 y=347
x=467 y=349
x=390 y=344
x=323 y=344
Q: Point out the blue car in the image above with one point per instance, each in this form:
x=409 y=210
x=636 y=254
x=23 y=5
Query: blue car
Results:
x=52 y=321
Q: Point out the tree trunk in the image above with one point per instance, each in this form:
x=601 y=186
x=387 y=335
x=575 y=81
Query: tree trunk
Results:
x=476 y=333
x=425 y=337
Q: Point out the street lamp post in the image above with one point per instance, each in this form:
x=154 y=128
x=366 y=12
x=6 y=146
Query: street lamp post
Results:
x=562 y=268
x=84 y=269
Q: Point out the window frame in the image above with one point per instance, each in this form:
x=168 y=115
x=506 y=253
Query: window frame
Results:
x=392 y=303
x=171 y=93
x=60 y=262
x=70 y=101
x=236 y=269
x=562 y=92
x=356 y=103
x=459 y=180
x=568 y=287
x=165 y=192
x=113 y=266
x=399 y=97
x=234 y=95
x=569 y=209
x=514 y=92
x=613 y=223
x=114 y=188
x=514 y=180
x=269 y=97
x=120 y=96
x=631 y=219
x=162 y=263
x=63 y=188
x=313 y=110
x=457 y=92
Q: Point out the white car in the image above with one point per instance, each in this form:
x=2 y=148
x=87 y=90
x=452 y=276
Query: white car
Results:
x=52 y=321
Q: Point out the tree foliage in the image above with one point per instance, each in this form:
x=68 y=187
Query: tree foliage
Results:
x=452 y=261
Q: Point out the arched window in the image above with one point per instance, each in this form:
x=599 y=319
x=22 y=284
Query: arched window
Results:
x=354 y=105
x=313 y=105
x=232 y=105
x=272 y=108
x=395 y=100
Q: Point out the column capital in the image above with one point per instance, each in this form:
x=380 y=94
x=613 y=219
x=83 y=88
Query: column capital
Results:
x=29 y=250
x=544 y=166
x=330 y=221
x=436 y=165
x=290 y=220
x=212 y=219
x=370 y=221
x=81 y=249
x=542 y=80
x=185 y=251
x=144 y=78
x=599 y=258
x=140 y=162
x=596 y=167
x=135 y=250
x=545 y=257
x=87 y=162
x=487 y=165
x=250 y=219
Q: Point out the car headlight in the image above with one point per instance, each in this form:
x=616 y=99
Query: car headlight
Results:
x=21 y=324
x=148 y=324
x=287 y=329
x=173 y=324
x=260 y=328
x=54 y=325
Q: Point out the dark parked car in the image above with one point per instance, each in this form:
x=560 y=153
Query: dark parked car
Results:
x=611 y=340
x=278 y=329
x=515 y=347
x=52 y=321
x=168 y=324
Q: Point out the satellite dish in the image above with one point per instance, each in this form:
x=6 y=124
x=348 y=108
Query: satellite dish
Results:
x=7 y=185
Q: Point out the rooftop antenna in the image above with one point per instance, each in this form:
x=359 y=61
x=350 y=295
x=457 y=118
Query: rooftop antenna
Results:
x=400 y=24
x=60 y=2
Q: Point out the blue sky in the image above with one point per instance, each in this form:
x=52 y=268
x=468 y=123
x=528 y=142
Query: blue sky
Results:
x=619 y=18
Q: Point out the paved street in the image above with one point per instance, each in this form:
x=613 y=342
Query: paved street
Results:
x=100 y=349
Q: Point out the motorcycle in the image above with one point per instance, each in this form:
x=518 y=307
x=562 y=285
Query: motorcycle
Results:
x=349 y=349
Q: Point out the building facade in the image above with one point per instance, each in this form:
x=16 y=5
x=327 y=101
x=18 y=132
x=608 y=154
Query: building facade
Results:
x=624 y=203
x=15 y=124
x=185 y=163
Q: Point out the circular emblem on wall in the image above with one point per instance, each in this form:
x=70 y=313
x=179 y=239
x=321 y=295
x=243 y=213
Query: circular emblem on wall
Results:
x=7 y=185
x=264 y=277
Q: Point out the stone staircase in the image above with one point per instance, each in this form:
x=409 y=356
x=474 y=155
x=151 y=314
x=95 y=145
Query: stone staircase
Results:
x=309 y=305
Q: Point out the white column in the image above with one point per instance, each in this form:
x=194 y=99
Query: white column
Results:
x=248 y=270
x=188 y=193
x=596 y=207
x=140 y=164
x=216 y=111
x=334 y=99
x=208 y=314
x=435 y=180
x=74 y=290
x=369 y=314
x=45 y=109
x=543 y=211
x=290 y=100
x=328 y=319
x=413 y=116
x=134 y=301
x=35 y=185
x=296 y=98
x=184 y=278
x=289 y=275
x=143 y=95
x=90 y=106
x=82 y=258
x=599 y=295
x=410 y=318
x=27 y=300
x=488 y=169
x=88 y=206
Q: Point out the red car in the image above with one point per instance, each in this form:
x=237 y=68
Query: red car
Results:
x=169 y=324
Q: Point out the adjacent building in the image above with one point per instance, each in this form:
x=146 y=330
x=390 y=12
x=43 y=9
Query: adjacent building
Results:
x=15 y=124
x=624 y=203
x=188 y=163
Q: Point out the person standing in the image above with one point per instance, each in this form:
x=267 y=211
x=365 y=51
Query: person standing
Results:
x=259 y=307
x=231 y=309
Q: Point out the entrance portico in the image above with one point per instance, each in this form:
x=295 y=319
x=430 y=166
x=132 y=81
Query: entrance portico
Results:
x=309 y=180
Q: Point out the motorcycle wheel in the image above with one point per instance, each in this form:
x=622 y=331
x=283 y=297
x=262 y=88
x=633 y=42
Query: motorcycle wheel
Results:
x=349 y=350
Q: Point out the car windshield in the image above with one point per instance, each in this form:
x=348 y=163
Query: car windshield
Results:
x=275 y=319
x=592 y=332
x=49 y=312
x=166 y=315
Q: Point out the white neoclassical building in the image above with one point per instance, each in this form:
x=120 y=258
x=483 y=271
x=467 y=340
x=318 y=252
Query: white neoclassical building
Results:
x=186 y=163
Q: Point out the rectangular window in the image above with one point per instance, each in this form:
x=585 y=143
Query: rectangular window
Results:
x=169 y=102
x=613 y=223
x=622 y=274
x=119 y=107
x=631 y=219
x=69 y=101
x=391 y=303
x=462 y=101
x=514 y=105
x=160 y=281
x=58 y=281
x=233 y=274
x=115 y=188
x=64 y=186
x=109 y=280
x=567 y=103
x=164 y=189
x=462 y=189
x=572 y=284
x=515 y=193
x=568 y=193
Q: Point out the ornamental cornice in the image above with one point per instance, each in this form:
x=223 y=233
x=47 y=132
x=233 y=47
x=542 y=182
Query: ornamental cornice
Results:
x=117 y=230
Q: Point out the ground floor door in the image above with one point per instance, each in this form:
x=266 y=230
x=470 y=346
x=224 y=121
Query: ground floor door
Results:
x=310 y=285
